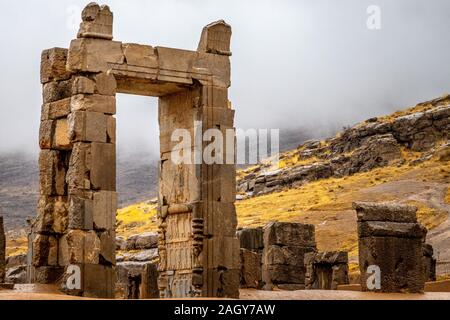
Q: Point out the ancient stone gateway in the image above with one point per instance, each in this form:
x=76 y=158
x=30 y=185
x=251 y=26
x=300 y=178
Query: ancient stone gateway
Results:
x=74 y=232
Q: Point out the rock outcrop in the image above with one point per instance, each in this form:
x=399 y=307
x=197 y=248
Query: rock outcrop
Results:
x=368 y=145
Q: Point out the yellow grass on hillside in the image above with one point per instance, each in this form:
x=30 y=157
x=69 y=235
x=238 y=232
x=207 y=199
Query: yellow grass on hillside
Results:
x=136 y=219
x=16 y=246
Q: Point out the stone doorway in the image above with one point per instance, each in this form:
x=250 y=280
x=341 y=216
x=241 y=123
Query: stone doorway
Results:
x=73 y=238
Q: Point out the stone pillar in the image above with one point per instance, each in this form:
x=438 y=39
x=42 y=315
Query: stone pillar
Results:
x=198 y=248
x=429 y=262
x=326 y=270
x=285 y=246
x=52 y=211
x=252 y=245
x=2 y=251
x=391 y=241
x=74 y=233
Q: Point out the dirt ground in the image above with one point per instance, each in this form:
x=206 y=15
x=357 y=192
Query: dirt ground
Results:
x=45 y=292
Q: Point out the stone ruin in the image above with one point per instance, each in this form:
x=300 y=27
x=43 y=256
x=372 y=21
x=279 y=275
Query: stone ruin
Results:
x=285 y=246
x=75 y=224
x=326 y=270
x=429 y=262
x=391 y=238
x=137 y=281
x=2 y=251
x=252 y=245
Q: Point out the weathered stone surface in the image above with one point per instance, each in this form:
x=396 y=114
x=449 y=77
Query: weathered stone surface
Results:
x=394 y=243
x=140 y=55
x=326 y=270
x=55 y=110
x=98 y=281
x=147 y=255
x=393 y=212
x=45 y=251
x=429 y=263
x=391 y=229
x=79 y=167
x=81 y=213
x=400 y=262
x=87 y=126
x=93 y=103
x=103 y=166
x=289 y=234
x=17 y=274
x=97 y=22
x=148 y=240
x=105 y=84
x=57 y=90
x=104 y=210
x=52 y=215
x=53 y=65
x=78 y=247
x=251 y=269
x=285 y=246
x=16 y=260
x=83 y=85
x=93 y=55
x=216 y=38
x=2 y=251
x=52 y=171
x=107 y=248
x=137 y=280
x=61 y=139
x=251 y=238
x=46 y=132
x=47 y=274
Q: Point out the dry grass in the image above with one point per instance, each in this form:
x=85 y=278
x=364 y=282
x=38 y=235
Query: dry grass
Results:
x=16 y=246
x=136 y=219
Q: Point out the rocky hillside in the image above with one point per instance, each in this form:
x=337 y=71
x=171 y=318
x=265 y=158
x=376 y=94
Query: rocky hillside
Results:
x=374 y=143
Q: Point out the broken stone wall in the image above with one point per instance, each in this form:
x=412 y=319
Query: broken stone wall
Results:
x=252 y=245
x=326 y=270
x=391 y=239
x=137 y=280
x=285 y=246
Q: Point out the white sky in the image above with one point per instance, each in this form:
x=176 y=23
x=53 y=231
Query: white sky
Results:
x=295 y=63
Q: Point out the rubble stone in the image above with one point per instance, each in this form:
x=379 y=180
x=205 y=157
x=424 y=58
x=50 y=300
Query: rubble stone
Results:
x=326 y=270
x=285 y=246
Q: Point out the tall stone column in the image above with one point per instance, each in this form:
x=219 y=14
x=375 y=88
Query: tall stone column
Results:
x=52 y=217
x=74 y=234
x=199 y=251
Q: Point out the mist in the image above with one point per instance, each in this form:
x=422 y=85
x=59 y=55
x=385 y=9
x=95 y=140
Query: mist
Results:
x=296 y=64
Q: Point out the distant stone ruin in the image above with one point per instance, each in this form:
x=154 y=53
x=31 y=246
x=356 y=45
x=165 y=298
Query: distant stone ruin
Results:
x=252 y=245
x=326 y=270
x=74 y=233
x=391 y=257
x=285 y=246
x=429 y=262
x=2 y=251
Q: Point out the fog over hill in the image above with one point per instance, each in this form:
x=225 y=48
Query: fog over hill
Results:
x=137 y=177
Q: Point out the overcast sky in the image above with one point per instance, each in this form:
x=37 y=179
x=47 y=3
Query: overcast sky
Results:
x=295 y=63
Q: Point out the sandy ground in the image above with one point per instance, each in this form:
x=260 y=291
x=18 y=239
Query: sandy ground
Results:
x=30 y=292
